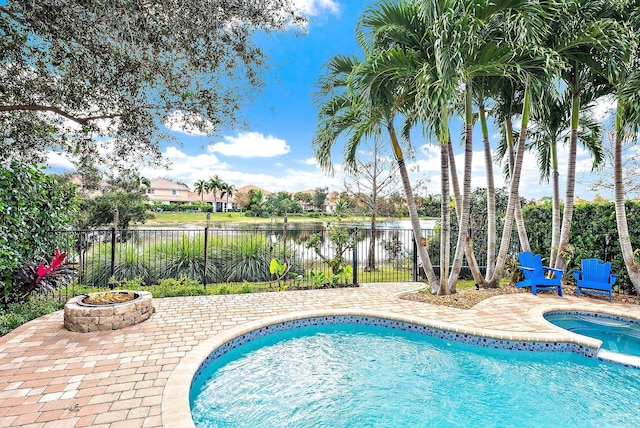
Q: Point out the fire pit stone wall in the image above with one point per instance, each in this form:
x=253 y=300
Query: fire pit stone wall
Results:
x=83 y=318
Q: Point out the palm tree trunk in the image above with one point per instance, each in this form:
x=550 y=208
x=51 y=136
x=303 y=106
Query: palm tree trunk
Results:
x=633 y=268
x=463 y=222
x=468 y=247
x=514 y=197
x=555 y=205
x=567 y=214
x=411 y=205
x=491 y=196
x=445 y=217
x=522 y=231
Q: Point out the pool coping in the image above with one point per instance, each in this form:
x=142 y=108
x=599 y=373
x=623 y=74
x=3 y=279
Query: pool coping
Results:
x=175 y=407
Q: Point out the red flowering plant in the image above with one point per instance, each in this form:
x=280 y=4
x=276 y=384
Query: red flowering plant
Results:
x=44 y=276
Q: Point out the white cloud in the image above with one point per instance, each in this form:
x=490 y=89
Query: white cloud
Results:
x=604 y=107
x=189 y=168
x=59 y=161
x=251 y=145
x=187 y=124
x=310 y=161
x=291 y=180
x=316 y=7
x=186 y=168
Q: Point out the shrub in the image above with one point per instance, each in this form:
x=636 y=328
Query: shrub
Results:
x=247 y=258
x=128 y=264
x=18 y=314
x=183 y=257
x=45 y=276
x=33 y=206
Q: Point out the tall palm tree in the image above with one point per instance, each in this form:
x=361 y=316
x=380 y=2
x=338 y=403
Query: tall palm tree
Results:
x=626 y=86
x=200 y=186
x=583 y=37
x=476 y=40
x=553 y=126
x=213 y=185
x=356 y=99
x=228 y=190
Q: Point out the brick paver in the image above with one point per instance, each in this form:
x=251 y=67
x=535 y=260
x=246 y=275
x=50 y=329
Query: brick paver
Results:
x=52 y=377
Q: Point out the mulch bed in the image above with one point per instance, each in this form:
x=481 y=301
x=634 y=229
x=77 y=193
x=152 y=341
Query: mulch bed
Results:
x=466 y=298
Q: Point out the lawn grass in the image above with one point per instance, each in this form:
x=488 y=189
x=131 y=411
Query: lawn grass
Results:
x=200 y=219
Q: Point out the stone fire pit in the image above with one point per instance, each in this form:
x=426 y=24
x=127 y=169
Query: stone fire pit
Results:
x=82 y=317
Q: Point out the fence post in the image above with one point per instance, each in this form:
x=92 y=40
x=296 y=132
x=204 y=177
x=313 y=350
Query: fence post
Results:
x=113 y=249
x=206 y=251
x=354 y=263
x=116 y=219
x=414 y=257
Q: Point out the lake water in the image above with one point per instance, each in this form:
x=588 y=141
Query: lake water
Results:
x=396 y=224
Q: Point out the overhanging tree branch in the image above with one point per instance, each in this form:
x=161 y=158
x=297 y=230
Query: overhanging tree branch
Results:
x=56 y=110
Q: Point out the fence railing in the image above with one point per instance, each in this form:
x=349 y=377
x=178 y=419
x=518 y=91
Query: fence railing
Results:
x=213 y=256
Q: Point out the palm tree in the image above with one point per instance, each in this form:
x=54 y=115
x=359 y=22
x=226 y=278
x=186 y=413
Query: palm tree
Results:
x=200 y=187
x=553 y=126
x=142 y=182
x=473 y=40
x=356 y=99
x=585 y=42
x=213 y=185
x=227 y=190
x=626 y=86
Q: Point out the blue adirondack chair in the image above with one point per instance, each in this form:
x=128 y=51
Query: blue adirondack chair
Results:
x=595 y=278
x=534 y=274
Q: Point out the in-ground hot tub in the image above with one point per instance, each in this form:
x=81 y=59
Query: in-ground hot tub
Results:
x=618 y=334
x=85 y=318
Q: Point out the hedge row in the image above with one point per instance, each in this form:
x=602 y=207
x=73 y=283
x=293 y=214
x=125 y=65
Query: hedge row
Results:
x=593 y=233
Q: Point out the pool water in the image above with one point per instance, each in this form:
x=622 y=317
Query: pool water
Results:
x=367 y=376
x=617 y=334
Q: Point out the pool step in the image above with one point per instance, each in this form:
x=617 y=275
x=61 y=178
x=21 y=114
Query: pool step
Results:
x=616 y=358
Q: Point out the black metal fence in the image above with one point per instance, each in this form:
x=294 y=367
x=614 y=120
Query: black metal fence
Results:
x=214 y=256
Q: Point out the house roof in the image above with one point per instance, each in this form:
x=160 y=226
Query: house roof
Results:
x=164 y=184
x=245 y=189
x=208 y=197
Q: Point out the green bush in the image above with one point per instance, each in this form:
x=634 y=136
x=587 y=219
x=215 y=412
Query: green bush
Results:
x=183 y=257
x=247 y=258
x=33 y=206
x=592 y=221
x=18 y=314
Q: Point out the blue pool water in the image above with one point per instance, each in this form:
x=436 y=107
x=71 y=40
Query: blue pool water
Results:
x=617 y=334
x=367 y=376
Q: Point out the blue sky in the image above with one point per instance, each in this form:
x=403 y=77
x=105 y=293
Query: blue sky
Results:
x=274 y=150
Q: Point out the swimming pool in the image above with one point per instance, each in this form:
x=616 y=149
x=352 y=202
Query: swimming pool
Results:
x=373 y=375
x=618 y=334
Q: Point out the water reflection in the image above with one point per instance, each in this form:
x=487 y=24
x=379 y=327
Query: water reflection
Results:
x=279 y=225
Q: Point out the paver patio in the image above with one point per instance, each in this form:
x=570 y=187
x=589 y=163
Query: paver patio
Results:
x=51 y=377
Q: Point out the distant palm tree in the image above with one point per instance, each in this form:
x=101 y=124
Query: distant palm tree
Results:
x=200 y=188
x=228 y=189
x=143 y=182
x=213 y=185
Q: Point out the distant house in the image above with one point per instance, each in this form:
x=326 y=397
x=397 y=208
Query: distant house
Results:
x=88 y=193
x=221 y=201
x=306 y=205
x=245 y=189
x=167 y=192
x=331 y=201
